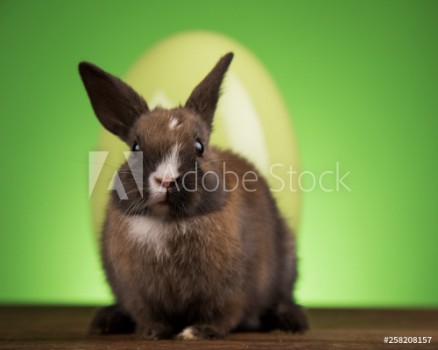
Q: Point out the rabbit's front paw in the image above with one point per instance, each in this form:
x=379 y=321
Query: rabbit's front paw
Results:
x=156 y=331
x=200 y=332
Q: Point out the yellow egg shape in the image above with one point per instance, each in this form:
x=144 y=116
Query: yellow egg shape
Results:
x=251 y=118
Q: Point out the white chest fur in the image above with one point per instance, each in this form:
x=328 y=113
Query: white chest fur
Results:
x=153 y=233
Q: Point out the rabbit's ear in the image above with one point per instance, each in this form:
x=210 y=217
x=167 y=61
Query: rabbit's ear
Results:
x=204 y=97
x=115 y=103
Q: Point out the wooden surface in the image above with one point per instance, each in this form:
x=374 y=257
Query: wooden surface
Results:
x=65 y=328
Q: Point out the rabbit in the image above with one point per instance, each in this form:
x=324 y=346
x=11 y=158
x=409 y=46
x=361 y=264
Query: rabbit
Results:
x=196 y=251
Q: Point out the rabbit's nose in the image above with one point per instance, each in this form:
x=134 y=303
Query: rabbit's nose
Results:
x=165 y=182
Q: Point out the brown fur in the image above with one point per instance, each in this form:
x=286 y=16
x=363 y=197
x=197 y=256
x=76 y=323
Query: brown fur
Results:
x=226 y=259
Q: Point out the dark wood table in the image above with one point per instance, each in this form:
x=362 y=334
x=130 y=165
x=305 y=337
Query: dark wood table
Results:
x=65 y=328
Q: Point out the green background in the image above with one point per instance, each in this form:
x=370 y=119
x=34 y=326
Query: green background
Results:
x=359 y=79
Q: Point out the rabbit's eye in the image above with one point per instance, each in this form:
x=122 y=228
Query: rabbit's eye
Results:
x=135 y=147
x=199 y=147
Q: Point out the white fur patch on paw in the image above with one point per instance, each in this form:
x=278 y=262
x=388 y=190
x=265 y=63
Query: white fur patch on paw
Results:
x=187 y=334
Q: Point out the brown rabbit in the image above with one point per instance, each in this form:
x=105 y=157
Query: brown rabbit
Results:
x=195 y=247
